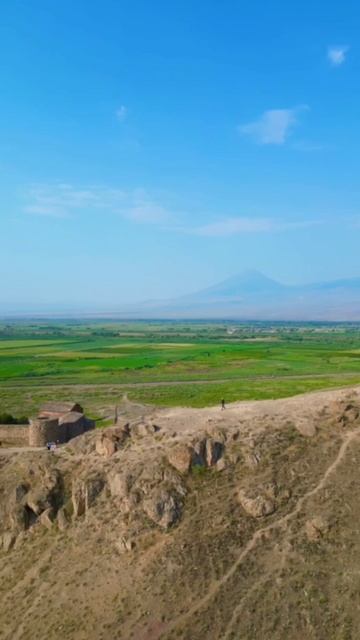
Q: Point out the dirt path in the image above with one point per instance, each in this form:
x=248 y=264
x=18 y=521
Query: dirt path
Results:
x=348 y=438
x=10 y=450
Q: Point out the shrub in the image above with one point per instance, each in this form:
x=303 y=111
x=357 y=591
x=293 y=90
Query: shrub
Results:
x=8 y=418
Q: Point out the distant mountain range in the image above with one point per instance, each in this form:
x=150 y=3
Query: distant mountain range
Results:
x=253 y=296
x=248 y=296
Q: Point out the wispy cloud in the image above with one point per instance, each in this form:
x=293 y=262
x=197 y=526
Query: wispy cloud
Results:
x=244 y=225
x=121 y=113
x=230 y=226
x=145 y=210
x=273 y=126
x=337 y=55
x=309 y=146
x=62 y=200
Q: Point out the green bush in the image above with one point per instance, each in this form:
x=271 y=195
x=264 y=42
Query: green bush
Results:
x=7 y=418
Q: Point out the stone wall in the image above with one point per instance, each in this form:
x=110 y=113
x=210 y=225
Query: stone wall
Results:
x=16 y=435
x=72 y=424
x=43 y=430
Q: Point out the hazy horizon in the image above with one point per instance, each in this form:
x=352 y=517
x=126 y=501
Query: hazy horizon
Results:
x=250 y=295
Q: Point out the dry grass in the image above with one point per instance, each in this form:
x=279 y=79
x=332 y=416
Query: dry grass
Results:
x=219 y=573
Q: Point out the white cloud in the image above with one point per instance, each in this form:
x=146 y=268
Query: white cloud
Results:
x=273 y=126
x=147 y=211
x=230 y=226
x=48 y=210
x=62 y=200
x=337 y=55
x=243 y=225
x=121 y=113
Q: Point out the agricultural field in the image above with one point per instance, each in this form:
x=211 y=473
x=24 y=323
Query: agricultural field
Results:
x=171 y=363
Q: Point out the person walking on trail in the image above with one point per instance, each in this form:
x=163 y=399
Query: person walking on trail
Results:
x=222 y=405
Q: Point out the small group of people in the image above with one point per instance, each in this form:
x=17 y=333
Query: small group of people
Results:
x=51 y=446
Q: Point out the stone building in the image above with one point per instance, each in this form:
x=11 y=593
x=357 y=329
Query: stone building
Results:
x=58 y=422
x=57 y=409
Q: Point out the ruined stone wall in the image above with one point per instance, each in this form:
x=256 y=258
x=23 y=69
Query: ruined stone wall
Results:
x=60 y=429
x=16 y=435
x=43 y=430
x=76 y=429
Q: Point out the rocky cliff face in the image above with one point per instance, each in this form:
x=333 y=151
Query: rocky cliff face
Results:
x=114 y=463
x=191 y=524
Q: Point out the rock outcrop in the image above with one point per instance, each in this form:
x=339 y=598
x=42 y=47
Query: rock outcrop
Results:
x=181 y=457
x=109 y=441
x=205 y=452
x=256 y=504
x=316 y=528
x=163 y=507
x=84 y=493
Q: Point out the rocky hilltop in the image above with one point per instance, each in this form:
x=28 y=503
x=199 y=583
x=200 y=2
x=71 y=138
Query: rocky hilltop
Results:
x=189 y=524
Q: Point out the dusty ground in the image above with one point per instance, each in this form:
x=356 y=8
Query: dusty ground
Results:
x=259 y=540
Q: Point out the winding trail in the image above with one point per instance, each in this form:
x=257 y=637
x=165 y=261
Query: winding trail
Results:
x=348 y=437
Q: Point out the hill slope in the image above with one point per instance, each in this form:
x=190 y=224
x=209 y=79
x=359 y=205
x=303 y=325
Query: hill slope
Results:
x=189 y=524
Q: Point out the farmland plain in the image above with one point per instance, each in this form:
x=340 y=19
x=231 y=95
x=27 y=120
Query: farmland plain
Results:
x=171 y=363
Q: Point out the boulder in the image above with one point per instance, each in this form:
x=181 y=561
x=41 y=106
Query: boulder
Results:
x=181 y=457
x=47 y=518
x=8 y=541
x=61 y=519
x=270 y=489
x=143 y=429
x=111 y=440
x=256 y=504
x=345 y=411
x=84 y=494
x=124 y=545
x=221 y=465
x=20 y=518
x=20 y=539
x=163 y=507
x=45 y=490
x=207 y=452
x=106 y=446
x=38 y=500
x=252 y=459
x=20 y=492
x=306 y=427
x=316 y=528
x=52 y=481
x=93 y=487
x=350 y=414
x=213 y=451
x=78 y=499
x=199 y=455
x=119 y=483
x=83 y=444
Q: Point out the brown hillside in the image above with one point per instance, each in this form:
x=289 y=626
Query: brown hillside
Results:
x=191 y=524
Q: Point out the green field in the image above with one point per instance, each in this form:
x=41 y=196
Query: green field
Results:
x=171 y=363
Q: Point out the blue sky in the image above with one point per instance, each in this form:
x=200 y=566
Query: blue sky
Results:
x=148 y=149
